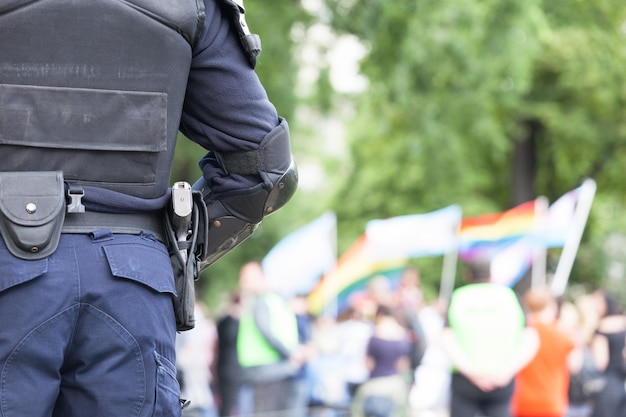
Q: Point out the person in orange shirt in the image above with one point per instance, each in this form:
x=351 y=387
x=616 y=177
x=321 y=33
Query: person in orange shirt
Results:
x=541 y=386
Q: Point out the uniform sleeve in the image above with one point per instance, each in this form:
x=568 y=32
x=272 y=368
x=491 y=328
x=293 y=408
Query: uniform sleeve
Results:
x=226 y=107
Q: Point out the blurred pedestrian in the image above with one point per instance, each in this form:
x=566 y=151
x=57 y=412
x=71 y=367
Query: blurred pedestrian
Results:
x=408 y=295
x=430 y=393
x=583 y=318
x=354 y=333
x=304 y=320
x=488 y=342
x=541 y=387
x=327 y=386
x=385 y=393
x=405 y=302
x=267 y=343
x=379 y=292
x=408 y=302
x=195 y=353
x=607 y=347
x=227 y=365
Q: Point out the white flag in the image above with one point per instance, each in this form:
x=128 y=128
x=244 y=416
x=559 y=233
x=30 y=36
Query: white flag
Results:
x=559 y=219
x=414 y=236
x=510 y=264
x=297 y=262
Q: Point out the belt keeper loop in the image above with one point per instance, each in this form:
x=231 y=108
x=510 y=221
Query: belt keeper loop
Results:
x=75 y=194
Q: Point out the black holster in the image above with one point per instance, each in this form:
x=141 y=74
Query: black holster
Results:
x=187 y=268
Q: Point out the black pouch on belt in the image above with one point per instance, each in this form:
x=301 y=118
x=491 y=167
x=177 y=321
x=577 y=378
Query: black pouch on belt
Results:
x=32 y=210
x=185 y=255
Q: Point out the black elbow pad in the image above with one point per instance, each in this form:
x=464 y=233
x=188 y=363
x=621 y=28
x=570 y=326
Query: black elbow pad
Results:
x=235 y=216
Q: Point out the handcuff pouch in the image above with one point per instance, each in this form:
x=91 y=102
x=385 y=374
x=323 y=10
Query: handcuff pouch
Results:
x=32 y=210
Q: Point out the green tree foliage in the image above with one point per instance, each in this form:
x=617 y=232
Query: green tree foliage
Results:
x=274 y=20
x=444 y=77
x=461 y=91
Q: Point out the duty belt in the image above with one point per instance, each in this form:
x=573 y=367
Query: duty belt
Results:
x=132 y=224
x=123 y=223
x=37 y=207
x=78 y=220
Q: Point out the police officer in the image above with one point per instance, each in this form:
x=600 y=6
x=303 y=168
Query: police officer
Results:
x=92 y=95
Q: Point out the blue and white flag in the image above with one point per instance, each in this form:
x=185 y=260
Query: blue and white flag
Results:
x=298 y=261
x=414 y=236
x=510 y=264
x=559 y=219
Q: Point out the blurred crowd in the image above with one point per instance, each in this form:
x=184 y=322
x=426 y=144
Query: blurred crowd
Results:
x=486 y=352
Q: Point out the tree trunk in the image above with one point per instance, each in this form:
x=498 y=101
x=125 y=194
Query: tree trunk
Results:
x=525 y=164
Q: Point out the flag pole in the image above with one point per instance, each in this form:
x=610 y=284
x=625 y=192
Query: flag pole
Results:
x=538 y=277
x=448 y=271
x=335 y=303
x=572 y=241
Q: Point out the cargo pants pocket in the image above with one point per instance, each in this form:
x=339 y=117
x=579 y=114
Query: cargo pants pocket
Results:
x=167 y=396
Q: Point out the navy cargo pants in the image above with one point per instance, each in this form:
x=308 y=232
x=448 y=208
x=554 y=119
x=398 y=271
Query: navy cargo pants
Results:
x=89 y=331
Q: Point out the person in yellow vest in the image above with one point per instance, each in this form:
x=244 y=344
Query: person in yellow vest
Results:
x=488 y=342
x=267 y=343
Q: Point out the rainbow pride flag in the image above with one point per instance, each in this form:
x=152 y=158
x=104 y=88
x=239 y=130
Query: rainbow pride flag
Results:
x=351 y=273
x=487 y=234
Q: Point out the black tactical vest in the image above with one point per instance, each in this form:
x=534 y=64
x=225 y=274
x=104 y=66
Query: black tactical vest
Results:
x=94 y=88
